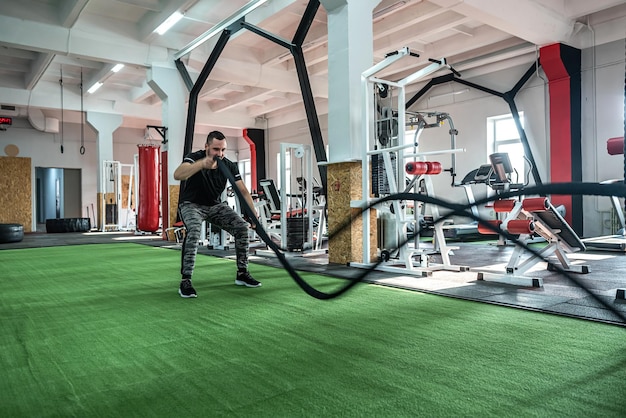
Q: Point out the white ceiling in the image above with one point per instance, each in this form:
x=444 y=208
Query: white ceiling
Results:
x=45 y=41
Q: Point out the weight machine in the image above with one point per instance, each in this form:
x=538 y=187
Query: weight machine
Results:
x=528 y=217
x=217 y=238
x=117 y=212
x=290 y=217
x=617 y=241
x=499 y=181
x=386 y=151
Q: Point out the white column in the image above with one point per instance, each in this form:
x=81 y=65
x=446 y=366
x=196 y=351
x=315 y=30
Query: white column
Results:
x=167 y=83
x=350 y=52
x=104 y=124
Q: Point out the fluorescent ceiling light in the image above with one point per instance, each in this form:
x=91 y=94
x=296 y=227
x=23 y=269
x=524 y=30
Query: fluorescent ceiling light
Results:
x=117 y=68
x=169 y=22
x=388 y=9
x=250 y=6
x=95 y=87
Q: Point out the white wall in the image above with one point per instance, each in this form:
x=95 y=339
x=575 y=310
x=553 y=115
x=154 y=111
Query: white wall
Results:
x=603 y=118
x=44 y=149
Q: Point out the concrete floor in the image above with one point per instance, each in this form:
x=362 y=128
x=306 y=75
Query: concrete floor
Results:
x=591 y=296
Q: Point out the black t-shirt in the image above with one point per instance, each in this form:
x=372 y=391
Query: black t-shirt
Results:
x=206 y=186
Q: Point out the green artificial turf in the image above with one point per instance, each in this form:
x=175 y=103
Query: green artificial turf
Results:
x=99 y=330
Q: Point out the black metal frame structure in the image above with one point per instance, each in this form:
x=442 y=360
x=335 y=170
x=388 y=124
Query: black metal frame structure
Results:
x=508 y=97
x=294 y=47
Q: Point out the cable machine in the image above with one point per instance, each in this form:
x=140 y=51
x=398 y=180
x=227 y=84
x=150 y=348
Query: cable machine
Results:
x=292 y=212
x=386 y=149
x=117 y=212
x=296 y=226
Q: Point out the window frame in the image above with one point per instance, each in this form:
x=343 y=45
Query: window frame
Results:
x=496 y=144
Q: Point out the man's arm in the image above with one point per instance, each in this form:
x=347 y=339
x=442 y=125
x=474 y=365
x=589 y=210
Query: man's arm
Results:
x=186 y=170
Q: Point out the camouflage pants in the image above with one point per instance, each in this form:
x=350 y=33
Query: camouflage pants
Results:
x=222 y=216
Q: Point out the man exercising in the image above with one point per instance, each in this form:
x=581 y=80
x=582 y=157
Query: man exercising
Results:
x=200 y=199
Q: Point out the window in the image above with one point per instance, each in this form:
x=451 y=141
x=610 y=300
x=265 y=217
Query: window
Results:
x=503 y=134
x=287 y=171
x=245 y=169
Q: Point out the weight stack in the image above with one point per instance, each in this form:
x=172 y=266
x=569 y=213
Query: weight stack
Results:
x=380 y=181
x=297 y=229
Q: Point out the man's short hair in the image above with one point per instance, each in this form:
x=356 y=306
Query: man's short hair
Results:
x=214 y=135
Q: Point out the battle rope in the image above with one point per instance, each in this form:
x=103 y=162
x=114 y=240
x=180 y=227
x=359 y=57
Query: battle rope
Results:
x=592 y=189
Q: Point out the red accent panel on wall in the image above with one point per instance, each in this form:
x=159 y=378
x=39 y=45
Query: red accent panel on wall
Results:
x=252 y=158
x=560 y=122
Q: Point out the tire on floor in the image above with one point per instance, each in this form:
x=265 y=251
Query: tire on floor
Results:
x=11 y=233
x=68 y=225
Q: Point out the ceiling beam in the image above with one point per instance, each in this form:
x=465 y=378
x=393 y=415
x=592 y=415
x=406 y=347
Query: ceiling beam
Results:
x=256 y=75
x=229 y=103
x=526 y=19
x=412 y=17
x=101 y=46
x=69 y=11
x=17 y=53
x=578 y=8
x=37 y=69
x=143 y=4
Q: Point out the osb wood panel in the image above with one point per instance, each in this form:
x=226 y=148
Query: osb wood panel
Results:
x=16 y=205
x=126 y=189
x=345 y=226
x=99 y=211
x=109 y=198
x=174 y=193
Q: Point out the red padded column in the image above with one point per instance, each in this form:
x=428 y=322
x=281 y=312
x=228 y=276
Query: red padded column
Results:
x=416 y=168
x=253 y=174
x=503 y=205
x=256 y=139
x=521 y=226
x=561 y=64
x=615 y=146
x=535 y=204
x=485 y=230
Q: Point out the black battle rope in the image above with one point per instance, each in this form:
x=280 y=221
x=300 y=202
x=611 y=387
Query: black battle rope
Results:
x=593 y=189
x=251 y=217
x=82 y=116
x=556 y=188
x=61 y=84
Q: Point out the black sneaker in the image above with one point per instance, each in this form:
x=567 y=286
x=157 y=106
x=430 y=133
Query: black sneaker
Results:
x=186 y=289
x=245 y=279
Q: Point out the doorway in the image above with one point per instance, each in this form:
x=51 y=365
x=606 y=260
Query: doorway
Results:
x=58 y=194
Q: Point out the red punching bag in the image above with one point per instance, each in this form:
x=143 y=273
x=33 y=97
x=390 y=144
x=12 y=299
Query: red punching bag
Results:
x=149 y=188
